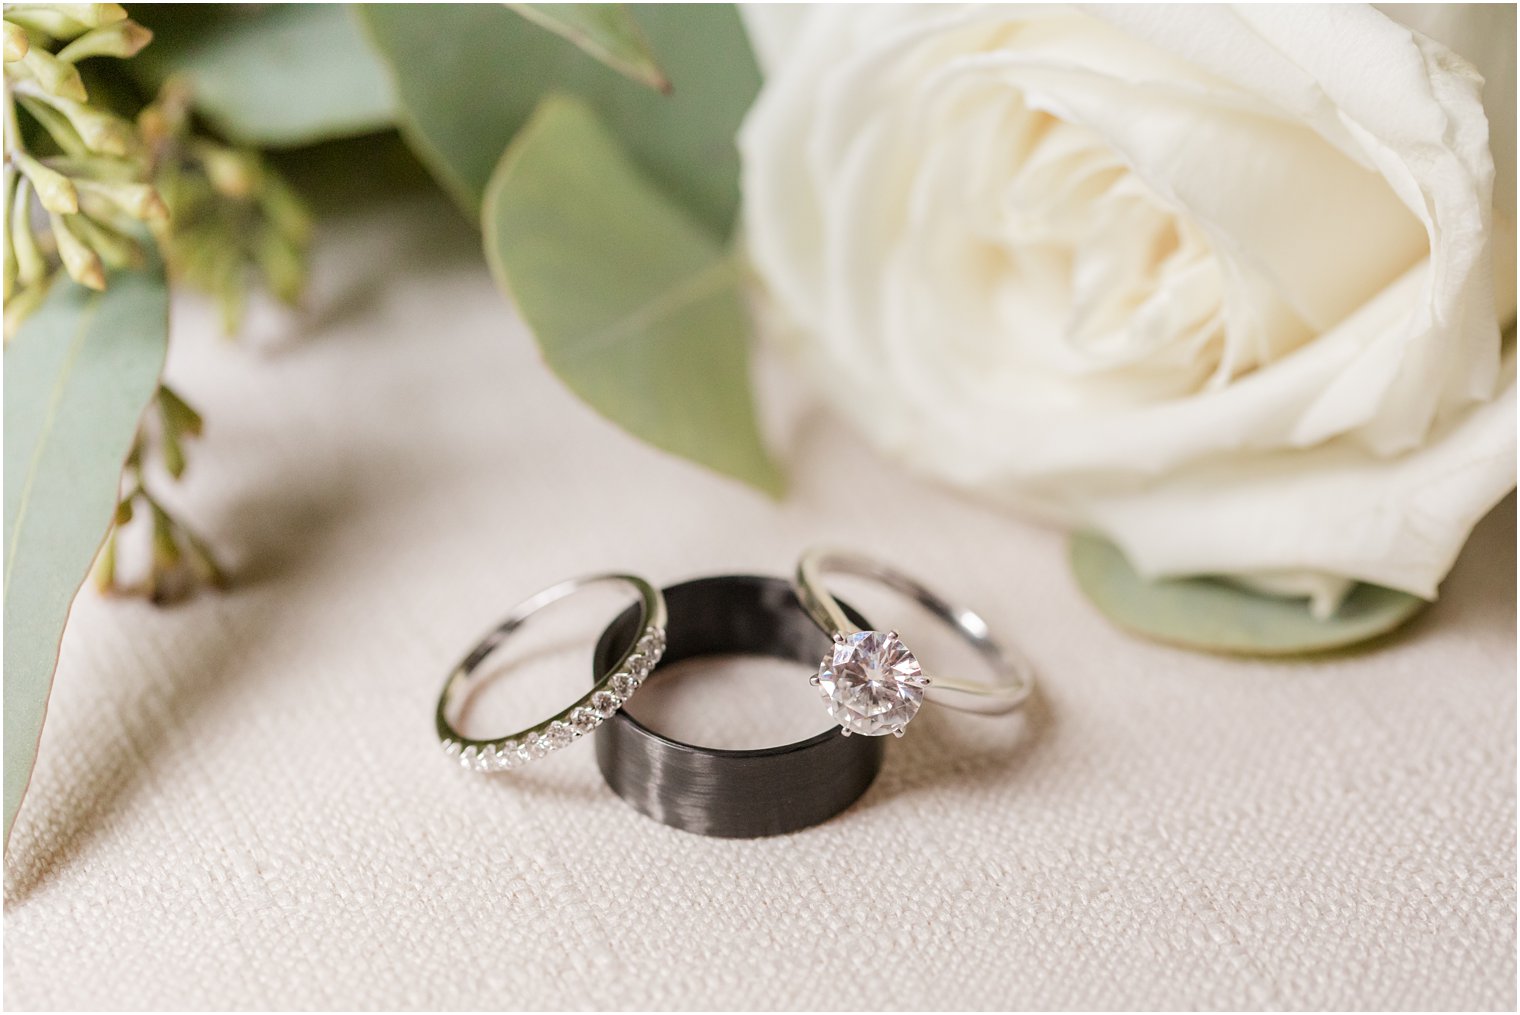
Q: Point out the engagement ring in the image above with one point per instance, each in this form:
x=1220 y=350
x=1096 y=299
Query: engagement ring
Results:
x=871 y=682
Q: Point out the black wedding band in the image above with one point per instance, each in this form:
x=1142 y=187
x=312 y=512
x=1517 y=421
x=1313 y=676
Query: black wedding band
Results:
x=733 y=794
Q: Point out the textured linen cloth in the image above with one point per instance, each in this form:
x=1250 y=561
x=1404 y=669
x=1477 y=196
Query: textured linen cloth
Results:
x=239 y=800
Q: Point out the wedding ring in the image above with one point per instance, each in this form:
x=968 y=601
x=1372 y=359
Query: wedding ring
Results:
x=733 y=793
x=626 y=666
x=871 y=682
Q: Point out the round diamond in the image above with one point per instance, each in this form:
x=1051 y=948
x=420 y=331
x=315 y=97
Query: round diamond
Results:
x=605 y=703
x=624 y=684
x=652 y=644
x=584 y=719
x=871 y=683
x=559 y=734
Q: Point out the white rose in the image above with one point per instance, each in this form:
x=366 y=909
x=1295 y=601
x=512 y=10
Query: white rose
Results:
x=1216 y=282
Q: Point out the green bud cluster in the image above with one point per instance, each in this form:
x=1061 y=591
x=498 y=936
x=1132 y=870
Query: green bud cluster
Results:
x=80 y=205
x=233 y=218
x=176 y=554
x=89 y=188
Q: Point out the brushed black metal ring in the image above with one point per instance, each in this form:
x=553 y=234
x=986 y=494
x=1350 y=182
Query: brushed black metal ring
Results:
x=727 y=793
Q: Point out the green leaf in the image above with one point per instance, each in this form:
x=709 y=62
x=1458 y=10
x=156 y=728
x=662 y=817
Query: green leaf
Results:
x=78 y=376
x=272 y=76
x=605 y=31
x=468 y=76
x=1217 y=616
x=635 y=307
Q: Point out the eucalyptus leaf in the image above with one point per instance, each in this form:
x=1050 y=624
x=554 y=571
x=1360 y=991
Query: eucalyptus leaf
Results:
x=635 y=307
x=468 y=76
x=1215 y=615
x=269 y=75
x=78 y=375
x=605 y=31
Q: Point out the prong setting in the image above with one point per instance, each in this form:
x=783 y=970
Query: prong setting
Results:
x=871 y=683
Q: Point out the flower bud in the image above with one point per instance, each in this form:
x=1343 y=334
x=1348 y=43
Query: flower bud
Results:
x=56 y=124
x=30 y=264
x=177 y=413
x=104 y=571
x=232 y=173
x=286 y=210
x=59 y=78
x=114 y=249
x=16 y=42
x=173 y=452
x=82 y=263
x=123 y=39
x=138 y=200
x=64 y=21
x=93 y=15
x=101 y=132
x=166 y=552
x=283 y=268
x=54 y=190
x=21 y=305
x=12 y=268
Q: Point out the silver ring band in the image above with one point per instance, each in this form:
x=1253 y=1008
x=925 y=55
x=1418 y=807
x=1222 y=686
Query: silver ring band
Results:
x=611 y=690
x=1013 y=676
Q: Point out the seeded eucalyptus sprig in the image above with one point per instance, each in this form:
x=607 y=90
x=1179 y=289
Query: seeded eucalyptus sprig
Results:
x=79 y=201
x=176 y=553
x=89 y=187
x=233 y=217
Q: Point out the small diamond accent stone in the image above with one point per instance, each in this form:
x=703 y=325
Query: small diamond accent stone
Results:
x=624 y=684
x=871 y=684
x=536 y=746
x=605 y=703
x=639 y=665
x=585 y=720
x=559 y=734
x=652 y=644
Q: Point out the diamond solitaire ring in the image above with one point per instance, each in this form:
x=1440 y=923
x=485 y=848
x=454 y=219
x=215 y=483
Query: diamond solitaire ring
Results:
x=871 y=681
x=627 y=667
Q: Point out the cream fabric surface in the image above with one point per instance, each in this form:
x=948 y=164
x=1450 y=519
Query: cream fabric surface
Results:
x=239 y=801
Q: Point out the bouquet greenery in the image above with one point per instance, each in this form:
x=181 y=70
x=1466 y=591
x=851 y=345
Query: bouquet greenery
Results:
x=144 y=153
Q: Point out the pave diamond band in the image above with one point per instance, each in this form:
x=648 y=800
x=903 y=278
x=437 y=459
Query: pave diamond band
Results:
x=871 y=682
x=616 y=685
